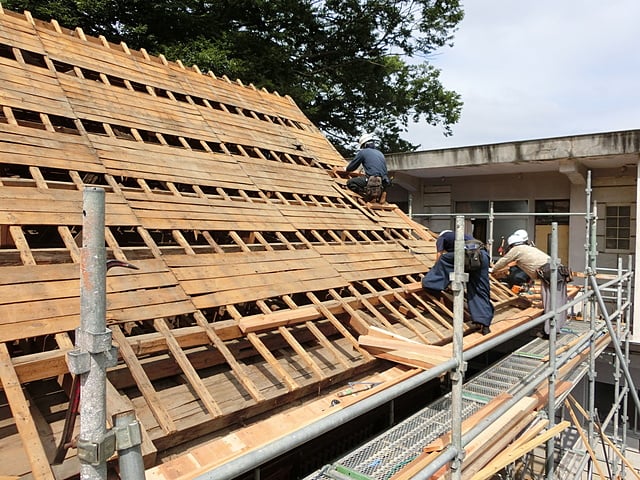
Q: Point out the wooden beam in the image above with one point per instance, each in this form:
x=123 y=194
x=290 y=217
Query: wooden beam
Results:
x=336 y=323
x=291 y=340
x=192 y=376
x=503 y=460
x=31 y=442
x=585 y=441
x=236 y=367
x=634 y=469
x=142 y=381
x=288 y=381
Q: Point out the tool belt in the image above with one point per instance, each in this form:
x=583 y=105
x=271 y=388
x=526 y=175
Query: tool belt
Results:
x=564 y=273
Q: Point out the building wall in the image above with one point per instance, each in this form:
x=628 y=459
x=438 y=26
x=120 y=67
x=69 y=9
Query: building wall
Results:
x=608 y=187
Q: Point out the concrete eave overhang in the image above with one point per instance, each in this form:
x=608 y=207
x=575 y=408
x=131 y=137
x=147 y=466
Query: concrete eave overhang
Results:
x=572 y=156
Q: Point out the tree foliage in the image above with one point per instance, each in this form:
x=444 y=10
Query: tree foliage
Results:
x=351 y=65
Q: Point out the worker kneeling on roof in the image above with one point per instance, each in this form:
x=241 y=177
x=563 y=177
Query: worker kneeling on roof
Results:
x=527 y=258
x=375 y=180
x=478 y=287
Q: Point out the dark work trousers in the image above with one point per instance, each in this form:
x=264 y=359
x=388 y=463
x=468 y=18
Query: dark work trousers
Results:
x=478 y=287
x=357 y=184
x=516 y=276
x=561 y=300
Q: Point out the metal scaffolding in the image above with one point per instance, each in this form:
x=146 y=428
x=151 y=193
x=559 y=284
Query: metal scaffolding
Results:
x=517 y=374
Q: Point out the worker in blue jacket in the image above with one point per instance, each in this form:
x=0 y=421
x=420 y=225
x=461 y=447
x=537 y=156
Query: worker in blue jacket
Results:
x=478 y=286
x=372 y=161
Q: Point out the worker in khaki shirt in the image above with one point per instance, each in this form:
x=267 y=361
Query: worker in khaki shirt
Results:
x=525 y=256
x=530 y=259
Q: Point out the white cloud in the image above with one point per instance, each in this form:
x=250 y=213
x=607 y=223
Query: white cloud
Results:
x=540 y=69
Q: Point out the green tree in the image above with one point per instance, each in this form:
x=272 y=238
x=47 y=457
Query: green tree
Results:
x=351 y=65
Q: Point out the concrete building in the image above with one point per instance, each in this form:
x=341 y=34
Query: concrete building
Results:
x=524 y=180
x=532 y=178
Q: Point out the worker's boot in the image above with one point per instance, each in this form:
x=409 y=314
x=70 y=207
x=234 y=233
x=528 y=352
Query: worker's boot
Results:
x=383 y=198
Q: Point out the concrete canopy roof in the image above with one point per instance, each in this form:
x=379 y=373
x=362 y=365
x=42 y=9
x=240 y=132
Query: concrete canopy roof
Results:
x=569 y=155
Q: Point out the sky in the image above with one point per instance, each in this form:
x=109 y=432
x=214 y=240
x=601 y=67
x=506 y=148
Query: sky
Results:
x=540 y=69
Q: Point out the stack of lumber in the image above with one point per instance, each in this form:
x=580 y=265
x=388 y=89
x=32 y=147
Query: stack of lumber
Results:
x=519 y=430
x=258 y=269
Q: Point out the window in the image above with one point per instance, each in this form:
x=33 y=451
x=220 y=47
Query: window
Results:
x=618 y=227
x=552 y=206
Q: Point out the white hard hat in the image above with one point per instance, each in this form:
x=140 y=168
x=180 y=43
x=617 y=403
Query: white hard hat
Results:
x=522 y=233
x=366 y=138
x=517 y=237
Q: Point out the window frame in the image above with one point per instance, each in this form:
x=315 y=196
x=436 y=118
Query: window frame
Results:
x=618 y=227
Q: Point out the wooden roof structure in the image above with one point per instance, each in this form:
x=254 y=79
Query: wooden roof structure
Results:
x=258 y=269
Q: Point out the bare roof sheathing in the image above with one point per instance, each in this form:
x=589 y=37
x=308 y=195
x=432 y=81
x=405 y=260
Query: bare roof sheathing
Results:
x=258 y=269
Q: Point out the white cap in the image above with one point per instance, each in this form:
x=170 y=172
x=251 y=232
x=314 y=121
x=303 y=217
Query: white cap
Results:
x=517 y=237
x=366 y=138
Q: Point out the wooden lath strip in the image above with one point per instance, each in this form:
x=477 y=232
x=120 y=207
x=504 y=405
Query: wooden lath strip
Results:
x=369 y=306
x=31 y=442
x=38 y=178
x=70 y=243
x=260 y=347
x=236 y=238
x=21 y=244
x=239 y=371
x=142 y=381
x=418 y=314
x=193 y=378
x=262 y=241
x=324 y=341
x=429 y=308
x=207 y=236
x=401 y=318
x=113 y=245
x=335 y=237
x=148 y=240
x=177 y=235
x=337 y=324
x=299 y=349
x=284 y=240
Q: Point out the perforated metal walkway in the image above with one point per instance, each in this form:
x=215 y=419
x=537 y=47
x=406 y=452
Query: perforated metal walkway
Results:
x=382 y=457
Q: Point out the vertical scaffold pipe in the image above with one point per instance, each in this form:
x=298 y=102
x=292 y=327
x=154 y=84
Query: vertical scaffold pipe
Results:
x=616 y=368
x=458 y=280
x=615 y=342
x=591 y=267
x=93 y=340
x=553 y=322
x=625 y=401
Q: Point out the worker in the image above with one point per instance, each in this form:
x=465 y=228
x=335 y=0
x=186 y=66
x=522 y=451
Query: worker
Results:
x=516 y=276
x=535 y=264
x=522 y=255
x=478 y=288
x=373 y=184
